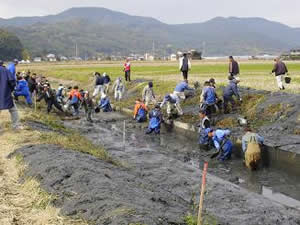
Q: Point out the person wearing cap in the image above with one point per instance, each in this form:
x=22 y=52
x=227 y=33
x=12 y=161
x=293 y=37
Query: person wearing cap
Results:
x=49 y=96
x=251 y=145
x=127 y=70
x=172 y=101
x=119 y=89
x=204 y=141
x=88 y=106
x=22 y=89
x=155 y=119
x=104 y=104
x=140 y=111
x=32 y=84
x=106 y=80
x=185 y=66
x=99 y=85
x=7 y=85
x=234 y=69
x=231 y=90
x=222 y=143
x=148 y=94
x=12 y=67
x=280 y=70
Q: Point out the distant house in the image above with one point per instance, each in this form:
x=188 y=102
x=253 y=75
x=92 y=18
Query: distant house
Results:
x=37 y=59
x=63 y=58
x=51 y=58
x=173 y=57
x=149 y=57
x=295 y=52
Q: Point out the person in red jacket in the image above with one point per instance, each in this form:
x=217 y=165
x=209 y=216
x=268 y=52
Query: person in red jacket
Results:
x=127 y=68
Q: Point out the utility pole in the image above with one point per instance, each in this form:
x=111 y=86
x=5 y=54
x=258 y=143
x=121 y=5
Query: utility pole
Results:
x=153 y=49
x=203 y=48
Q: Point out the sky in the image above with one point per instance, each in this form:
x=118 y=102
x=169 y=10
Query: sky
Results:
x=168 y=11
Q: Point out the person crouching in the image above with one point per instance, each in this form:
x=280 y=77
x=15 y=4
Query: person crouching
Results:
x=140 y=111
x=104 y=104
x=155 y=117
x=49 y=96
x=251 y=143
x=222 y=143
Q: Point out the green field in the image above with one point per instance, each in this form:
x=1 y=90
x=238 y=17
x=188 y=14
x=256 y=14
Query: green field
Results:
x=254 y=74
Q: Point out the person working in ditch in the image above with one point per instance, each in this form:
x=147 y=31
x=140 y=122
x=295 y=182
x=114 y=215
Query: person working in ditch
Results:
x=231 y=90
x=221 y=142
x=204 y=127
x=251 y=145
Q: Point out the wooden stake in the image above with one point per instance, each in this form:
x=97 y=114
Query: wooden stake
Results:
x=202 y=193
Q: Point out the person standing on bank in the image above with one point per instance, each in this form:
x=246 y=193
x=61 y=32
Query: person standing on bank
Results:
x=127 y=69
x=234 y=68
x=280 y=70
x=7 y=85
x=185 y=66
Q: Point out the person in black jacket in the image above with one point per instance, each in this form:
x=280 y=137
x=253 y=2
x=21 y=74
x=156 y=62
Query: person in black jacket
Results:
x=234 y=69
x=99 y=85
x=32 y=83
x=50 y=98
x=280 y=70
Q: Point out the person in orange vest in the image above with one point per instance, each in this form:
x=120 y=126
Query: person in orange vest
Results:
x=127 y=68
x=140 y=111
x=75 y=98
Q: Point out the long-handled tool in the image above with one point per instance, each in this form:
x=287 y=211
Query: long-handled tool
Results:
x=202 y=193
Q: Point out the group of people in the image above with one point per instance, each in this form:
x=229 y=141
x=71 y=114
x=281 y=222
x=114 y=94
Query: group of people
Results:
x=71 y=99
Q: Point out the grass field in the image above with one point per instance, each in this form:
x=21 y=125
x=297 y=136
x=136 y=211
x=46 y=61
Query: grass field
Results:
x=254 y=74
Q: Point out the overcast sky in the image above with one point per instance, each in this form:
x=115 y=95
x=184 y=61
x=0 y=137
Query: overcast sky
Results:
x=169 y=11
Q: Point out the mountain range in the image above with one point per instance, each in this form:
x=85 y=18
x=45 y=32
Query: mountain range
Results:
x=103 y=31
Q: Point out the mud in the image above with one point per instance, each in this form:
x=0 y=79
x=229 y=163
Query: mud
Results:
x=161 y=184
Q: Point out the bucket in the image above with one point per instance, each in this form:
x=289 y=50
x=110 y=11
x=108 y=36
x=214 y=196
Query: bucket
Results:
x=287 y=80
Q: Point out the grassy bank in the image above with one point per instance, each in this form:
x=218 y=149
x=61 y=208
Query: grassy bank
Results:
x=24 y=203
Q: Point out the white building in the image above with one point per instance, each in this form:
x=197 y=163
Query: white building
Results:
x=37 y=59
x=149 y=57
x=51 y=58
x=173 y=57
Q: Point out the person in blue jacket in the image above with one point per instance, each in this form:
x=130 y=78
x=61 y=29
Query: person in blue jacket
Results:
x=12 y=68
x=222 y=143
x=22 y=89
x=7 y=85
x=104 y=104
x=181 y=88
x=155 y=117
x=210 y=99
x=231 y=90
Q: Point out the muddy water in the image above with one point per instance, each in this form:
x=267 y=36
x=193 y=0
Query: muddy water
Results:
x=272 y=181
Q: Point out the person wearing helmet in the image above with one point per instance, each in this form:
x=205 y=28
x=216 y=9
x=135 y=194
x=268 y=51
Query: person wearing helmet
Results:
x=148 y=94
x=119 y=89
x=155 y=119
